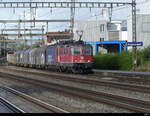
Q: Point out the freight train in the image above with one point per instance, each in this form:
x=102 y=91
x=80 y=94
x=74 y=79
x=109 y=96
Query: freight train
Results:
x=66 y=56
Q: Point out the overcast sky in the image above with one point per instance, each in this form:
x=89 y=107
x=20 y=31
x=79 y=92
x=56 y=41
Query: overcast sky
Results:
x=80 y=14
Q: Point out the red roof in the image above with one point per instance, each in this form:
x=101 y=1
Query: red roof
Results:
x=10 y=52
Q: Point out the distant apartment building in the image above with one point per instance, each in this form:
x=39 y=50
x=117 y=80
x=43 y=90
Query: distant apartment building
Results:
x=104 y=30
x=142 y=28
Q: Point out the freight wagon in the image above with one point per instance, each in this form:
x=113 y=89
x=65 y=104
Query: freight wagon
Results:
x=69 y=56
x=10 y=58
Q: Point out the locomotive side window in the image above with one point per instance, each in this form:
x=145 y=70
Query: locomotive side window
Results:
x=67 y=51
x=64 y=50
x=87 y=51
x=77 y=51
x=71 y=51
x=57 y=51
x=61 y=51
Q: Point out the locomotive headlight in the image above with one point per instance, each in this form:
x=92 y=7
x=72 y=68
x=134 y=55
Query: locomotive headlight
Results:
x=88 y=60
x=82 y=57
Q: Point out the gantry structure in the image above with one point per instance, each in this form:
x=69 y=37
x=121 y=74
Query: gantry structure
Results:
x=73 y=5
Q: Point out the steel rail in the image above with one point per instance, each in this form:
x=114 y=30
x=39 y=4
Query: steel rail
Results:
x=137 y=88
x=119 y=101
x=35 y=101
x=10 y=106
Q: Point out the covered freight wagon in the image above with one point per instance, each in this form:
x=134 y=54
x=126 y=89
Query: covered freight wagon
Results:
x=50 y=57
x=26 y=57
x=22 y=58
x=10 y=58
x=40 y=54
x=32 y=57
x=17 y=58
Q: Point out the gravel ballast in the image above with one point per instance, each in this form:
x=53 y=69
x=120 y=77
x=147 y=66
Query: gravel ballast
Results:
x=76 y=104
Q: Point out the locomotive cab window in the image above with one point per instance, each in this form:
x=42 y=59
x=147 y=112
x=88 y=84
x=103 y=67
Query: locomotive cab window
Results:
x=87 y=51
x=77 y=51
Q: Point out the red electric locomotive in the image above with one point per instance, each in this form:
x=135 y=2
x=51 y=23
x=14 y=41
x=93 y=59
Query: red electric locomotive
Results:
x=65 y=56
x=74 y=56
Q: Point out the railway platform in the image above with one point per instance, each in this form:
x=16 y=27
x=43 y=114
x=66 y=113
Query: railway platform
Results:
x=122 y=72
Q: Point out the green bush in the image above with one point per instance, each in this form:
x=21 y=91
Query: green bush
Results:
x=121 y=61
x=140 y=57
x=106 y=61
x=125 y=61
x=146 y=53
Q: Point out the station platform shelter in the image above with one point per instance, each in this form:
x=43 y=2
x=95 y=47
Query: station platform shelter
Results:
x=110 y=46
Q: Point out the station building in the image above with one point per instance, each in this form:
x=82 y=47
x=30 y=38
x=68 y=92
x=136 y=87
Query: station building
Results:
x=105 y=37
x=111 y=37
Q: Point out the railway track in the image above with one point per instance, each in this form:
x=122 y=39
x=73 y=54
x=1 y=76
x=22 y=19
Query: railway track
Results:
x=35 y=101
x=114 y=100
x=125 y=77
x=140 y=78
x=131 y=87
x=12 y=108
x=132 y=78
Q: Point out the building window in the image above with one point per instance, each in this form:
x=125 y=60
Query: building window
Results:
x=102 y=28
x=101 y=39
x=111 y=27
